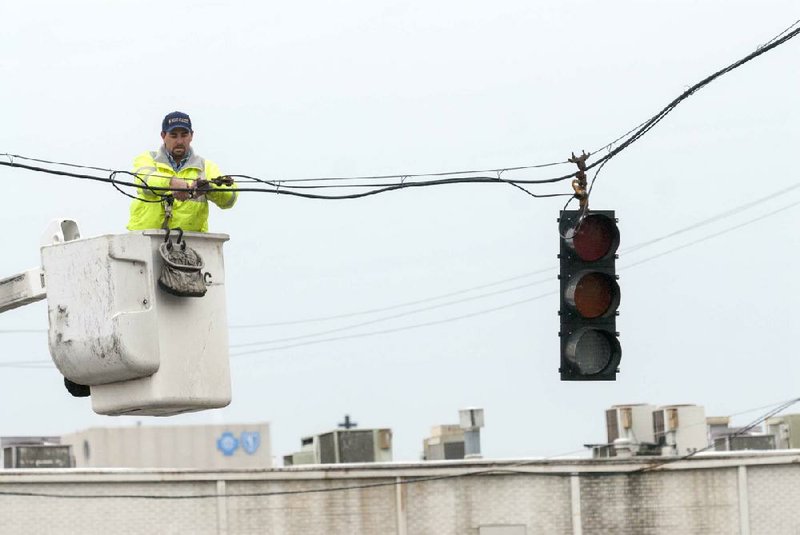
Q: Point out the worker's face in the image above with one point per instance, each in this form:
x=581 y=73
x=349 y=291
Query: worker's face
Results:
x=177 y=142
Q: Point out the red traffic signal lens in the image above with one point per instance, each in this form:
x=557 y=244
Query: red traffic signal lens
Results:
x=595 y=237
x=591 y=351
x=593 y=294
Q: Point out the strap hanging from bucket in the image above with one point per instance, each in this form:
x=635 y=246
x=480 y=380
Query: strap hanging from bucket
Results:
x=181 y=272
x=168 y=201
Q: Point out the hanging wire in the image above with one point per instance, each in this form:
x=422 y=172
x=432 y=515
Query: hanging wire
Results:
x=438 y=179
x=654 y=120
x=780 y=34
x=393 y=187
x=396 y=315
x=22 y=364
x=631 y=249
x=405 y=176
x=741 y=432
x=288 y=183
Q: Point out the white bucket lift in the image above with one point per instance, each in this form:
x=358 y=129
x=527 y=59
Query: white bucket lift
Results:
x=141 y=350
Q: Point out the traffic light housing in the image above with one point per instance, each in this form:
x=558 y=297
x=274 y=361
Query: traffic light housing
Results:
x=590 y=295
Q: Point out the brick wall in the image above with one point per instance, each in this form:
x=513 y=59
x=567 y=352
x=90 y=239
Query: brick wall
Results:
x=748 y=493
x=702 y=502
x=542 y=503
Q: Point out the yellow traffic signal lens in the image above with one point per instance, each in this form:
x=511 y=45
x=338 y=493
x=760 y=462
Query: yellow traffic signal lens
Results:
x=593 y=294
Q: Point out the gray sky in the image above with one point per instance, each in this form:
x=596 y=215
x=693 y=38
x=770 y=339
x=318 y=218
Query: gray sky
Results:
x=291 y=90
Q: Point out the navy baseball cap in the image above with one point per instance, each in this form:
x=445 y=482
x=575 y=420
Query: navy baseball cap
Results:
x=176 y=119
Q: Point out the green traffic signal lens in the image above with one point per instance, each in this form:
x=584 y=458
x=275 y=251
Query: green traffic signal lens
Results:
x=592 y=351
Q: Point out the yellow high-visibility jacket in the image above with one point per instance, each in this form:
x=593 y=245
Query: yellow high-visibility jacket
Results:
x=154 y=170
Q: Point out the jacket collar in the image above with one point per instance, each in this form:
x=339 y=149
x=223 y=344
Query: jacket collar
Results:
x=194 y=161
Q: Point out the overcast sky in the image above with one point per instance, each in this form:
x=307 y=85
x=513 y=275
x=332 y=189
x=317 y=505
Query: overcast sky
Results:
x=306 y=89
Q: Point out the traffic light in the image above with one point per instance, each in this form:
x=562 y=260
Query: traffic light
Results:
x=590 y=350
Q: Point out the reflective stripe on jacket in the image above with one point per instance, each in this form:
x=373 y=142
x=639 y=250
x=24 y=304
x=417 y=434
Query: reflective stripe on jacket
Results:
x=154 y=170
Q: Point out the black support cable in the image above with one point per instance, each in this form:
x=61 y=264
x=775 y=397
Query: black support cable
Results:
x=279 y=191
x=318 y=179
x=722 y=215
x=632 y=136
x=35 y=364
x=741 y=432
x=393 y=316
x=654 y=120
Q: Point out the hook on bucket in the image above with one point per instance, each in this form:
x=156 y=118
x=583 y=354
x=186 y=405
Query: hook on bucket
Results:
x=179 y=241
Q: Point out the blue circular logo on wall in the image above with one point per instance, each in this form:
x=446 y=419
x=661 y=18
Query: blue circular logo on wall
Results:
x=227 y=443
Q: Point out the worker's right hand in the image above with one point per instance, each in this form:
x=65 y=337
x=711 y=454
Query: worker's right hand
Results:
x=202 y=186
x=179 y=189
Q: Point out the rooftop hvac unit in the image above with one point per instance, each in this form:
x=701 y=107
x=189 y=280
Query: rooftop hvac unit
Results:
x=658 y=426
x=630 y=422
x=299 y=457
x=355 y=446
x=612 y=425
x=444 y=450
x=745 y=442
x=680 y=429
x=786 y=429
x=445 y=442
x=38 y=457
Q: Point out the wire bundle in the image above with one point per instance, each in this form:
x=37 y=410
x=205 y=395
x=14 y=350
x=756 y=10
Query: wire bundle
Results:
x=376 y=184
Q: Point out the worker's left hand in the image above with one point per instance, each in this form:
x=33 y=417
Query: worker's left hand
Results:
x=179 y=188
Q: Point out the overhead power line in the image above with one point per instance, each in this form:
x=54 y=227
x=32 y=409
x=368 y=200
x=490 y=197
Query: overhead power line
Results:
x=515 y=303
x=654 y=120
x=741 y=432
x=397 y=329
x=278 y=188
x=395 y=316
x=42 y=364
x=45 y=364
x=714 y=235
x=506 y=469
x=782 y=33
x=501 y=170
x=318 y=319
x=287 y=186
x=713 y=219
x=391 y=307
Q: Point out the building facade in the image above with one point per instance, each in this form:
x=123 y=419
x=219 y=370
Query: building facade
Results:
x=206 y=447
x=35 y=452
x=753 y=493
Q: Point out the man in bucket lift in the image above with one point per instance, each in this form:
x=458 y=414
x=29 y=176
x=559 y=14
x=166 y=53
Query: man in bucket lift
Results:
x=193 y=181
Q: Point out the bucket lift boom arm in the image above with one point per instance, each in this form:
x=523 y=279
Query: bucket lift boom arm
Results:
x=22 y=289
x=29 y=286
